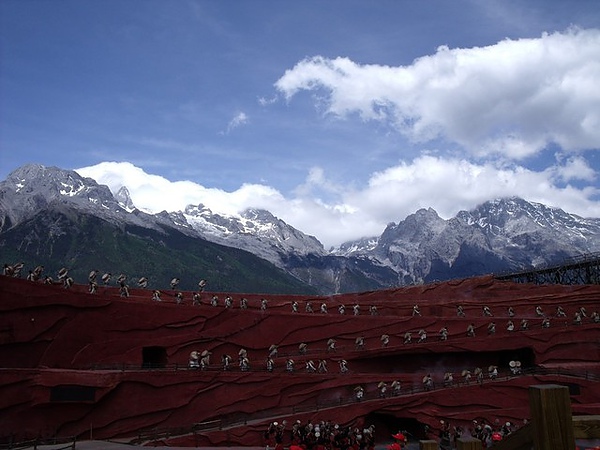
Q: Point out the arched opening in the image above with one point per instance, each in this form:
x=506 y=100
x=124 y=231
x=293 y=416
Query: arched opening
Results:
x=154 y=357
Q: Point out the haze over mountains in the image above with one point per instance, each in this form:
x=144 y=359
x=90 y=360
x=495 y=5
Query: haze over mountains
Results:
x=57 y=218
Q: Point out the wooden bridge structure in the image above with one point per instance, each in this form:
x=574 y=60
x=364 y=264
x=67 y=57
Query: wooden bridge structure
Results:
x=583 y=269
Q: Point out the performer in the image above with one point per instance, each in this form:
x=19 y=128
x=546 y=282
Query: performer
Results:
x=396 y=387
x=359 y=393
x=385 y=340
x=471 y=330
x=359 y=343
x=510 y=326
x=466 y=374
x=444 y=334
x=448 y=379
x=399 y=442
x=273 y=351
x=226 y=362
x=343 y=366
x=322 y=366
x=205 y=360
x=382 y=386
x=427 y=382
x=289 y=365
x=331 y=345
x=193 y=362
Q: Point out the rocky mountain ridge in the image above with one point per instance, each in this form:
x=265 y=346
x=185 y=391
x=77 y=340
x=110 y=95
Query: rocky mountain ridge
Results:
x=497 y=236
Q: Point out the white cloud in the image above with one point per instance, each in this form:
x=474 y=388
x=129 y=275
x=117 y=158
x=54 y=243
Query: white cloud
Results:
x=512 y=98
x=154 y=193
x=575 y=168
x=445 y=184
x=239 y=119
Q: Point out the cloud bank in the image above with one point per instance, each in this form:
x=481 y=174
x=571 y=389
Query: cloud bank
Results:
x=511 y=99
x=447 y=185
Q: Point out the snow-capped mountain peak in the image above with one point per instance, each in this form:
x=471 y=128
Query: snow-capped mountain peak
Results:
x=255 y=230
x=497 y=236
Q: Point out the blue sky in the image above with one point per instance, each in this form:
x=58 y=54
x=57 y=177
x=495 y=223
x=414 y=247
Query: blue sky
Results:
x=338 y=116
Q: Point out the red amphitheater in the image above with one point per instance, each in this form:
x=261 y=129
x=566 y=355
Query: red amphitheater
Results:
x=75 y=363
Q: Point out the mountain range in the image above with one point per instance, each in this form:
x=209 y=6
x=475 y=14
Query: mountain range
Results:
x=57 y=218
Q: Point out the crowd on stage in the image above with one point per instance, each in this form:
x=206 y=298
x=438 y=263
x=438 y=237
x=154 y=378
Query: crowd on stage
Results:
x=327 y=435
x=323 y=435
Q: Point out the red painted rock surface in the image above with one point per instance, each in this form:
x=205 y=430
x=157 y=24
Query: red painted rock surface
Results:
x=74 y=363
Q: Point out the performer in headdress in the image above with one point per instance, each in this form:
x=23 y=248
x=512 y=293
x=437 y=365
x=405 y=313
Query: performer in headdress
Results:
x=193 y=362
x=359 y=393
x=331 y=345
x=289 y=365
x=382 y=386
x=205 y=360
x=385 y=340
x=399 y=443
x=343 y=366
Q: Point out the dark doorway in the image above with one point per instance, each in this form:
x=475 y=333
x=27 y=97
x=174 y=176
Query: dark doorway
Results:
x=72 y=393
x=154 y=357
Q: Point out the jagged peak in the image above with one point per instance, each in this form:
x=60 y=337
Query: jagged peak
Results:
x=52 y=182
x=27 y=171
x=124 y=198
x=259 y=214
x=495 y=214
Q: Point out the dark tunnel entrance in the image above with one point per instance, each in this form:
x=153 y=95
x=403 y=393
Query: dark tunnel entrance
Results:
x=444 y=361
x=386 y=425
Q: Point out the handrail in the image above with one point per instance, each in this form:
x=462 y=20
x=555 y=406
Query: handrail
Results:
x=539 y=370
x=34 y=443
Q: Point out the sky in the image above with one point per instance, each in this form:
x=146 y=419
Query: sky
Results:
x=338 y=116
